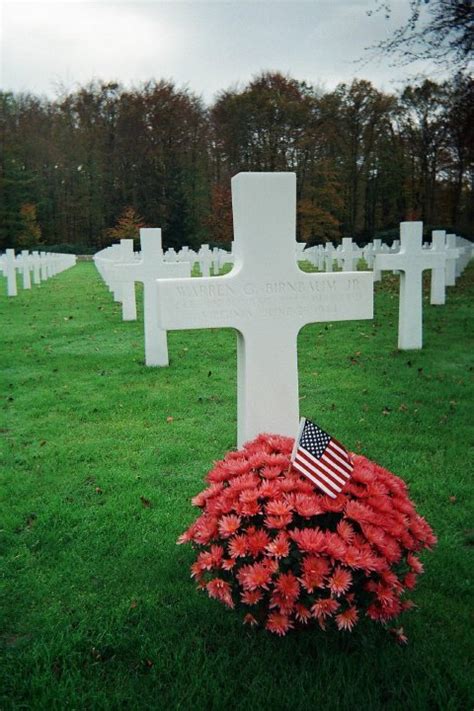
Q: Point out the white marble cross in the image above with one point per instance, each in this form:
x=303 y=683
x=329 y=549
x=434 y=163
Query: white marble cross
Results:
x=36 y=268
x=267 y=299
x=349 y=255
x=150 y=267
x=453 y=254
x=10 y=258
x=438 y=273
x=376 y=249
x=125 y=281
x=330 y=255
x=411 y=261
x=205 y=259
x=25 y=269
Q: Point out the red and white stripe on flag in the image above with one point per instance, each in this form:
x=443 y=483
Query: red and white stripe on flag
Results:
x=321 y=459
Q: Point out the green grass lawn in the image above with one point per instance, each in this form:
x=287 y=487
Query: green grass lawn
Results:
x=97 y=607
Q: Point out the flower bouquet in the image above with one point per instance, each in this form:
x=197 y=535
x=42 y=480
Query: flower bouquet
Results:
x=271 y=544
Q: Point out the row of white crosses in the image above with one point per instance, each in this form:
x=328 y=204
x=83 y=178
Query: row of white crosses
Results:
x=442 y=257
x=121 y=269
x=266 y=297
x=34 y=267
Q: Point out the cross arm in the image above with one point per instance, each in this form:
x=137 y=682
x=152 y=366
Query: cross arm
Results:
x=338 y=296
x=129 y=272
x=387 y=262
x=198 y=303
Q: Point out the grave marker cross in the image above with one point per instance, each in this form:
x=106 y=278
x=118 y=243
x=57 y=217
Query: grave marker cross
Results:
x=453 y=254
x=11 y=272
x=150 y=267
x=438 y=273
x=411 y=261
x=349 y=255
x=267 y=299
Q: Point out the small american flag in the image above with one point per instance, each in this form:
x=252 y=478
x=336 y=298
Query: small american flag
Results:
x=321 y=458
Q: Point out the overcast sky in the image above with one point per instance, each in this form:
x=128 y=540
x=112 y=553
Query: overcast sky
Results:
x=207 y=46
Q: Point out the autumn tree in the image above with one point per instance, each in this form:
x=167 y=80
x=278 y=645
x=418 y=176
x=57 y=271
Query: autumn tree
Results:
x=220 y=222
x=127 y=226
x=30 y=232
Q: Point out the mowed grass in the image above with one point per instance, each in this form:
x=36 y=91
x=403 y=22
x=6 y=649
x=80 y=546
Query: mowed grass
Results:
x=102 y=455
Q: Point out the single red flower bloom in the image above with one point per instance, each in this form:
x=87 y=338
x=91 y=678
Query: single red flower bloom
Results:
x=278 y=623
x=340 y=581
x=324 y=607
x=220 y=590
x=347 y=619
x=279 y=547
x=288 y=586
x=228 y=525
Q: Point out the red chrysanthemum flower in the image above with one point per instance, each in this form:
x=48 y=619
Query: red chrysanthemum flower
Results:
x=409 y=580
x=278 y=623
x=251 y=597
x=288 y=586
x=302 y=614
x=345 y=531
x=314 y=572
x=238 y=546
x=205 y=529
x=280 y=546
x=324 y=607
x=347 y=619
x=220 y=590
x=278 y=507
x=228 y=525
x=255 y=576
x=309 y=540
x=211 y=558
x=298 y=555
x=278 y=521
x=340 y=581
x=415 y=564
x=307 y=505
x=227 y=564
x=257 y=540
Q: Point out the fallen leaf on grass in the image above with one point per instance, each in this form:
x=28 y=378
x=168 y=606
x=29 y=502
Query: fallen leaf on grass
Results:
x=31 y=520
x=146 y=502
x=169 y=419
x=453 y=499
x=469 y=537
x=399 y=635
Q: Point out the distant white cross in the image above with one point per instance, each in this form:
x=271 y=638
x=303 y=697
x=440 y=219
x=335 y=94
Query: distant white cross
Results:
x=12 y=289
x=150 y=267
x=438 y=273
x=411 y=261
x=125 y=283
x=453 y=253
x=349 y=255
x=25 y=269
x=267 y=299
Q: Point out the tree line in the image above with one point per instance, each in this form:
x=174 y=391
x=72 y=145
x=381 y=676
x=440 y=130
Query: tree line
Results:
x=92 y=164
